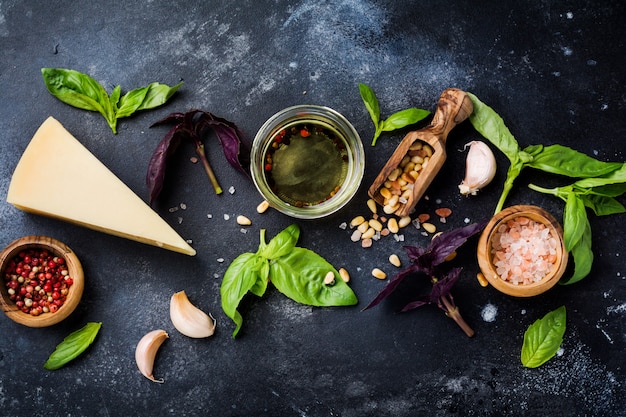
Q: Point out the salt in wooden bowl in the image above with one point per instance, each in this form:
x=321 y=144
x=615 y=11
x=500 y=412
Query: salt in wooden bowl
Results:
x=485 y=255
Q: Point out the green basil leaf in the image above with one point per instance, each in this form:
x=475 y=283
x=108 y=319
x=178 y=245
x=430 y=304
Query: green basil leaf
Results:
x=281 y=244
x=489 y=124
x=610 y=190
x=115 y=97
x=404 y=118
x=602 y=205
x=371 y=103
x=300 y=276
x=130 y=102
x=241 y=277
x=72 y=346
x=533 y=149
x=78 y=90
x=583 y=257
x=157 y=95
x=616 y=177
x=561 y=160
x=574 y=220
x=543 y=338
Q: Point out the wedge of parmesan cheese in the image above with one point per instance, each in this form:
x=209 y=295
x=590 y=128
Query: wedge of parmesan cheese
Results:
x=58 y=177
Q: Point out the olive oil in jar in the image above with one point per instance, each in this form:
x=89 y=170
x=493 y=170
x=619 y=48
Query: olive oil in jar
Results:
x=306 y=164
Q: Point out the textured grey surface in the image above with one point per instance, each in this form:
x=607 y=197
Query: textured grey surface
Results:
x=553 y=70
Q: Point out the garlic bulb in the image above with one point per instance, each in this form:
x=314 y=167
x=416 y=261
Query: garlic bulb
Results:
x=146 y=351
x=480 y=168
x=189 y=319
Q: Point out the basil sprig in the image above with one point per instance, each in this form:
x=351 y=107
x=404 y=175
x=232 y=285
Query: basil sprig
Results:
x=397 y=120
x=296 y=272
x=72 y=346
x=543 y=338
x=554 y=159
x=598 y=194
x=82 y=91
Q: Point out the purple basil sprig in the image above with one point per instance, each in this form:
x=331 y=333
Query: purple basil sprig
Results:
x=195 y=126
x=428 y=262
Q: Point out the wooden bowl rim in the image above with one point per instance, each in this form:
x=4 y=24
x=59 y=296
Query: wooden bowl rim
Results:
x=484 y=248
x=75 y=271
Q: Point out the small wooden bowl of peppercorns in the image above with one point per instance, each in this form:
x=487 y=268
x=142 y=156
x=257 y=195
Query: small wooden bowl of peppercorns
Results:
x=42 y=281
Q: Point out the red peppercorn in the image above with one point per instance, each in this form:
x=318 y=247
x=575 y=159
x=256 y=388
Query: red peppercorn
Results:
x=38 y=281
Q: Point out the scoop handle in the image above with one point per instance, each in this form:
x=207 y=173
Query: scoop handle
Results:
x=453 y=107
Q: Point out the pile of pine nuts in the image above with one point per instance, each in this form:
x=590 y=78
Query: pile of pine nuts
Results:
x=398 y=188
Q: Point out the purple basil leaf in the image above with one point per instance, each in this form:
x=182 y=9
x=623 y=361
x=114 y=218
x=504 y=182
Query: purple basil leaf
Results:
x=446 y=243
x=443 y=287
x=392 y=285
x=415 y=304
x=230 y=138
x=414 y=252
x=171 y=118
x=156 y=167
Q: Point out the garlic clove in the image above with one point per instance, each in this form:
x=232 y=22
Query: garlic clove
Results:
x=189 y=319
x=146 y=351
x=480 y=168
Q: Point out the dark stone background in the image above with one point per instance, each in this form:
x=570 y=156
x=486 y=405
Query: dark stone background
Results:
x=553 y=70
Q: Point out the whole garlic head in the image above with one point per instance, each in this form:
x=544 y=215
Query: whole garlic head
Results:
x=189 y=319
x=480 y=168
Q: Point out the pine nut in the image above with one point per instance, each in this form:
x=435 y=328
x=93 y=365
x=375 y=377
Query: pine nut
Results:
x=369 y=233
x=393 y=175
x=416 y=146
x=372 y=206
x=357 y=221
x=482 y=280
x=329 y=279
x=243 y=221
x=345 y=276
x=404 y=221
x=385 y=193
x=393 y=226
x=388 y=209
x=262 y=207
x=377 y=273
x=367 y=243
x=395 y=260
x=376 y=225
x=429 y=227
x=356 y=236
x=363 y=227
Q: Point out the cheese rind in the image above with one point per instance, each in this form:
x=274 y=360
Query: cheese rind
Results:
x=58 y=177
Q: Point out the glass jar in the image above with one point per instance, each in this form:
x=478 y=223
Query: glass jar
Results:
x=307 y=161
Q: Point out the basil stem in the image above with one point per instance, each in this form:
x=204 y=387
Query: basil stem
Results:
x=72 y=346
x=543 y=338
x=82 y=91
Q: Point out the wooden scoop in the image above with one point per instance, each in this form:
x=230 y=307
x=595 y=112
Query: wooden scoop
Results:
x=454 y=107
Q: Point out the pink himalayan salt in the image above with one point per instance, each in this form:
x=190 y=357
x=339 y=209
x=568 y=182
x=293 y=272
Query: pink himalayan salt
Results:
x=523 y=251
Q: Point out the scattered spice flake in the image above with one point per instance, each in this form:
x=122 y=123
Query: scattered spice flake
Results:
x=183 y=206
x=193 y=160
x=424 y=217
x=220 y=260
x=467 y=220
x=231 y=190
x=343 y=226
x=443 y=212
x=244 y=231
x=226 y=217
x=209 y=216
x=173 y=209
x=180 y=220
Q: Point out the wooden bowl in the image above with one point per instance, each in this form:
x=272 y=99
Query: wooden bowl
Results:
x=75 y=271
x=485 y=244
